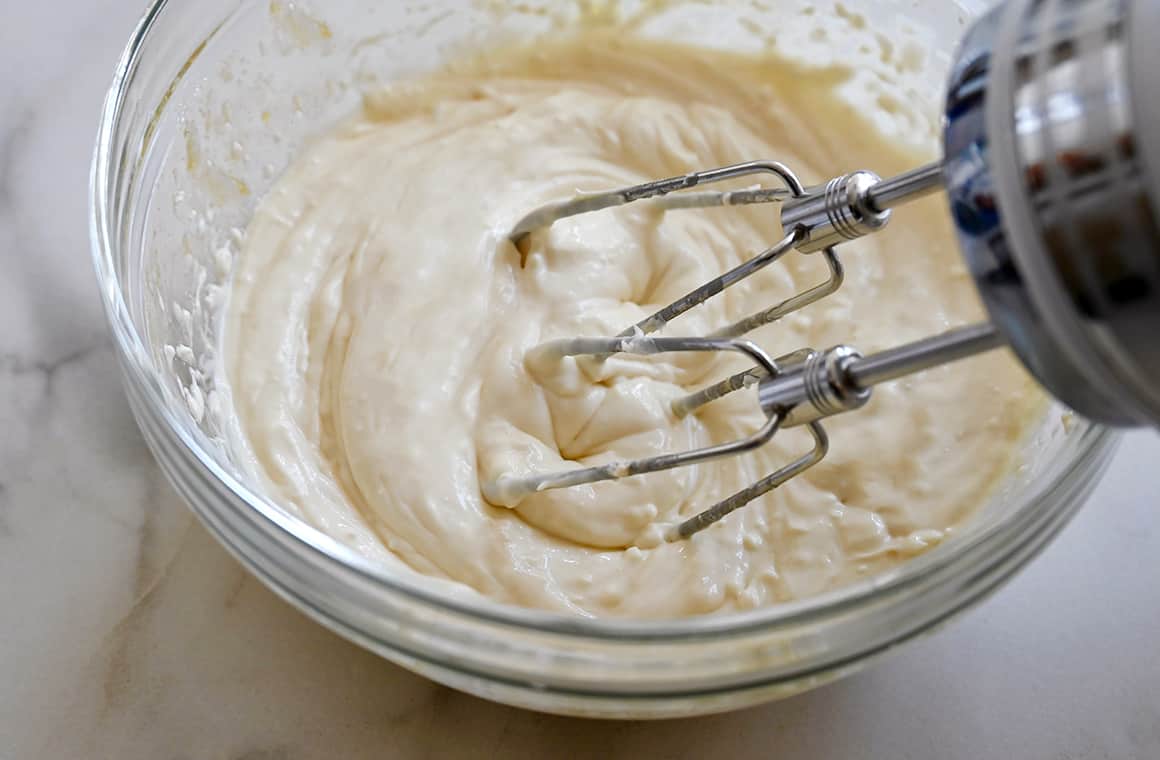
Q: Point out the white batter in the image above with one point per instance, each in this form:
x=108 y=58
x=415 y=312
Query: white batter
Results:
x=380 y=318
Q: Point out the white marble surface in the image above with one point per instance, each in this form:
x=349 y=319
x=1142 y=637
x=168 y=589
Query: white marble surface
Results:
x=125 y=632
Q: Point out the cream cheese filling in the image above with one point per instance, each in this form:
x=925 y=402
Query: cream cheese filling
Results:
x=380 y=318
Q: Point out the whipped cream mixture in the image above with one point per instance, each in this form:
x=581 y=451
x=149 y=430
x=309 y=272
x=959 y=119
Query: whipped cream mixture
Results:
x=380 y=318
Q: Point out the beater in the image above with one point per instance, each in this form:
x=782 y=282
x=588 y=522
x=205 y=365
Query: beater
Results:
x=1051 y=165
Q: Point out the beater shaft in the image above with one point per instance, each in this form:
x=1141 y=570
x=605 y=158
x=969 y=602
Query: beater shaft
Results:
x=905 y=187
x=909 y=358
x=790 y=389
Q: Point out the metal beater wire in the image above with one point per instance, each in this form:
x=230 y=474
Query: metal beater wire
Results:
x=508 y=489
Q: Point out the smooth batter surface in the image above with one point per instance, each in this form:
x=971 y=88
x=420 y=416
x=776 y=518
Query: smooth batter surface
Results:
x=380 y=317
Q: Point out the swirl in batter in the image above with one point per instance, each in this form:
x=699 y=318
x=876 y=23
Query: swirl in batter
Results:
x=380 y=317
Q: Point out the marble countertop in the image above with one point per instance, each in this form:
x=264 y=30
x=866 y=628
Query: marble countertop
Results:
x=126 y=632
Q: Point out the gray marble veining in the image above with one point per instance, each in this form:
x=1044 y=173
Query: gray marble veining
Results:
x=126 y=632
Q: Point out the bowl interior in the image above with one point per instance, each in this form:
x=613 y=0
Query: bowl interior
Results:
x=232 y=89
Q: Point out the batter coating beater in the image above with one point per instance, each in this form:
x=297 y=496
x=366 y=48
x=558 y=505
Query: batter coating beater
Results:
x=380 y=315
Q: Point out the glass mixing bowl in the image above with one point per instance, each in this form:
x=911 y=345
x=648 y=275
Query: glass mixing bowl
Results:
x=211 y=101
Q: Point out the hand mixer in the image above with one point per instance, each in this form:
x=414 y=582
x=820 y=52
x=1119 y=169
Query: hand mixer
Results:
x=1051 y=164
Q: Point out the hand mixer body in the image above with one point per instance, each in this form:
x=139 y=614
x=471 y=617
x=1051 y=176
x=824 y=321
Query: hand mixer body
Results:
x=1052 y=172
